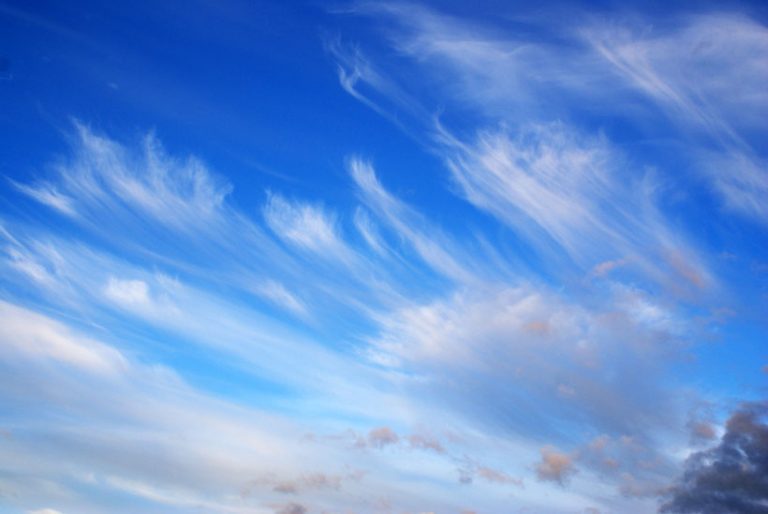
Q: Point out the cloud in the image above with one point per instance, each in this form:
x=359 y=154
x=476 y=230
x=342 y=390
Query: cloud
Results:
x=119 y=411
x=174 y=214
x=399 y=321
x=707 y=76
x=574 y=201
x=303 y=484
x=702 y=431
x=633 y=487
x=408 y=223
x=482 y=338
x=635 y=468
x=281 y=296
x=425 y=442
x=149 y=181
x=382 y=436
x=548 y=179
x=27 y=334
x=368 y=230
x=172 y=208
x=435 y=309
x=695 y=72
x=555 y=466
x=127 y=291
x=573 y=196
x=707 y=80
x=48 y=195
x=497 y=477
x=731 y=477
x=604 y=268
x=291 y=508
x=359 y=77
x=306 y=226
x=699 y=70
x=741 y=179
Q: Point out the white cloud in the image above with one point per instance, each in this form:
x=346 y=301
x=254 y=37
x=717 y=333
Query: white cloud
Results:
x=280 y=295
x=708 y=75
x=25 y=333
x=48 y=195
x=304 y=225
x=360 y=78
x=175 y=192
x=143 y=431
x=708 y=71
x=571 y=195
x=368 y=230
x=27 y=265
x=511 y=348
x=704 y=72
x=426 y=240
x=129 y=292
x=741 y=180
x=549 y=179
x=531 y=360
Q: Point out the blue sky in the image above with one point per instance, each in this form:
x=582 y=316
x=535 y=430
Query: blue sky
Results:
x=381 y=257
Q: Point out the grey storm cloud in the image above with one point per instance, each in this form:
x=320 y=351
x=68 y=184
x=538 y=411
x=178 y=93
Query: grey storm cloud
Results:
x=732 y=477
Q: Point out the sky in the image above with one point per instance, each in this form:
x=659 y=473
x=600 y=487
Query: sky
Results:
x=383 y=257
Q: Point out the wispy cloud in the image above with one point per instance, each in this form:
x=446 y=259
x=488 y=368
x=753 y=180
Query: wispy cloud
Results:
x=370 y=352
x=473 y=321
x=425 y=240
x=698 y=76
x=30 y=335
x=306 y=226
x=461 y=328
x=122 y=415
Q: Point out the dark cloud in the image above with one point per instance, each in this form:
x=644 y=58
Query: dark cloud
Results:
x=465 y=476
x=731 y=478
x=292 y=508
